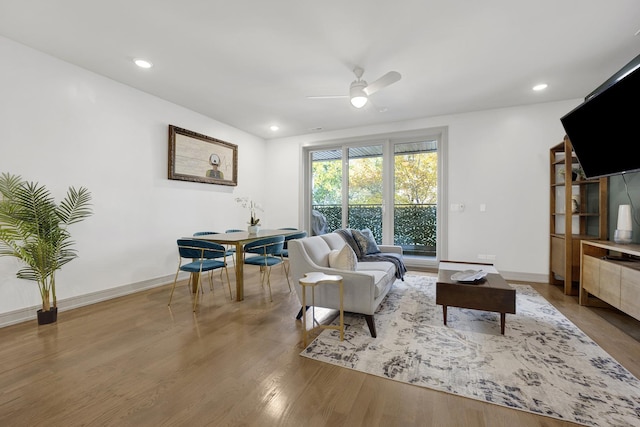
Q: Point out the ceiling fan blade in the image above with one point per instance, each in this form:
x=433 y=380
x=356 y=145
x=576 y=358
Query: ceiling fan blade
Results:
x=327 y=96
x=389 y=78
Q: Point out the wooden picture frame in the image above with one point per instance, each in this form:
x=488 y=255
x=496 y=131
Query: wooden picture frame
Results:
x=199 y=158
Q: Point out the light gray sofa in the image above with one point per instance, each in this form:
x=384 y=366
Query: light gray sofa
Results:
x=364 y=288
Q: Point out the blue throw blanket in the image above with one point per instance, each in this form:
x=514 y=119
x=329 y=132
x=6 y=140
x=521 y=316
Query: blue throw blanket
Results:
x=394 y=258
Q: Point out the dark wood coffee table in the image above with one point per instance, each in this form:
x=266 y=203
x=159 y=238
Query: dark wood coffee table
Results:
x=494 y=294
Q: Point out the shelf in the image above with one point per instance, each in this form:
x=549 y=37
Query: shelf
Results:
x=574 y=160
x=576 y=183
x=583 y=214
x=576 y=236
x=568 y=229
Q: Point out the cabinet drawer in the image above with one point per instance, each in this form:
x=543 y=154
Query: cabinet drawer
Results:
x=630 y=292
x=591 y=274
x=609 y=283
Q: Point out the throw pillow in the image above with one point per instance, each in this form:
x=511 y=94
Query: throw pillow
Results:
x=343 y=259
x=366 y=241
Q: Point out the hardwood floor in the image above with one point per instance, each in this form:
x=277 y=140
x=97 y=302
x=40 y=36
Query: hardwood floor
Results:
x=133 y=361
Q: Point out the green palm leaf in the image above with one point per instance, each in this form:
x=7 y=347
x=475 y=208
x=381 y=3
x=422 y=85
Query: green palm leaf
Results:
x=34 y=229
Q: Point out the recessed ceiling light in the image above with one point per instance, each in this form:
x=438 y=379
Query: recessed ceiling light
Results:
x=541 y=86
x=143 y=63
x=274 y=127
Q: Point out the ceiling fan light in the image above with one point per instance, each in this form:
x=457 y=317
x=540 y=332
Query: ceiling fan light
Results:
x=358 y=101
x=358 y=96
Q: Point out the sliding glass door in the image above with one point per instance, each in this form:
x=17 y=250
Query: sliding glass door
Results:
x=364 y=195
x=415 y=202
x=391 y=186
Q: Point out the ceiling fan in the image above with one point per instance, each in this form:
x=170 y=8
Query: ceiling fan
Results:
x=360 y=90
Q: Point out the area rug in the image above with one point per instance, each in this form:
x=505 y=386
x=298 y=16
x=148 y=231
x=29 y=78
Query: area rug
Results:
x=543 y=364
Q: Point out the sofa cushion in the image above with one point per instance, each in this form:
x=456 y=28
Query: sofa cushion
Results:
x=343 y=259
x=365 y=240
x=381 y=278
x=334 y=240
x=318 y=250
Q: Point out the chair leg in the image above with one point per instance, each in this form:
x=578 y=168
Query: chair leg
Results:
x=286 y=275
x=263 y=275
x=284 y=267
x=174 y=286
x=268 y=273
x=195 y=300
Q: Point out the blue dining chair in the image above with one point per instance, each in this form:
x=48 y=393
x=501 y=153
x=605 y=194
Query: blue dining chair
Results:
x=204 y=233
x=265 y=254
x=284 y=253
x=203 y=256
x=230 y=251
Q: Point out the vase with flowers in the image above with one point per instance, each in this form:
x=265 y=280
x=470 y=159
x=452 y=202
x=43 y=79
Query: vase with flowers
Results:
x=254 y=221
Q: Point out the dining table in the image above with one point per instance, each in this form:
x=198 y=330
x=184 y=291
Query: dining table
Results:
x=239 y=239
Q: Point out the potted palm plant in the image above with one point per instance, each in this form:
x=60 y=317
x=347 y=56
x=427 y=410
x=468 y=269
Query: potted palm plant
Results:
x=34 y=229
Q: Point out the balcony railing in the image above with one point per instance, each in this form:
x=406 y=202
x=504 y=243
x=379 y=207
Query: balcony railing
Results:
x=414 y=224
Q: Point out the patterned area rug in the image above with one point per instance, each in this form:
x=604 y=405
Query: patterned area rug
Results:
x=543 y=364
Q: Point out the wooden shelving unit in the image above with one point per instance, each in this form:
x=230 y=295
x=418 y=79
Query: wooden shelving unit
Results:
x=568 y=227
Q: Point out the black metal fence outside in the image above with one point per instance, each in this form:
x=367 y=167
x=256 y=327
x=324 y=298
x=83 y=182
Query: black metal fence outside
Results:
x=414 y=224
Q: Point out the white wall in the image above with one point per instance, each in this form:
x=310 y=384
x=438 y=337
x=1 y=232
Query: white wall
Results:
x=64 y=126
x=499 y=158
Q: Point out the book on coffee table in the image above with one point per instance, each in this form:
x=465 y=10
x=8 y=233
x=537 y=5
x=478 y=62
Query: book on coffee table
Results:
x=469 y=276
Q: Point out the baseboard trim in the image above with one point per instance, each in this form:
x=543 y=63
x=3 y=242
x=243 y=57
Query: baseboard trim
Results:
x=525 y=277
x=29 y=313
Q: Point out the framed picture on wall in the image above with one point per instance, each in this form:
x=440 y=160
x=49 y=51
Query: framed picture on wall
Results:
x=200 y=158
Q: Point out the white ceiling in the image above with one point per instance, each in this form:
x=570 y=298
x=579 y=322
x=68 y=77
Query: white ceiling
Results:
x=251 y=64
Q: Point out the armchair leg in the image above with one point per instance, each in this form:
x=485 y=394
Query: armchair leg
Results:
x=299 y=315
x=371 y=324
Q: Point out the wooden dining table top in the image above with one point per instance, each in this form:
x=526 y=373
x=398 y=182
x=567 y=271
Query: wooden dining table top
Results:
x=243 y=236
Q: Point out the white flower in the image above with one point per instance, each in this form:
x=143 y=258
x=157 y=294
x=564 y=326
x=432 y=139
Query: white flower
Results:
x=246 y=202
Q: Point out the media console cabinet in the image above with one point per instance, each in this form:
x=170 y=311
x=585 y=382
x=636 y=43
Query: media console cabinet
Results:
x=611 y=272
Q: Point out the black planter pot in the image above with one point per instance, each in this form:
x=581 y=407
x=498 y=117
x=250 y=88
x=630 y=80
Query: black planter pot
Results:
x=46 y=317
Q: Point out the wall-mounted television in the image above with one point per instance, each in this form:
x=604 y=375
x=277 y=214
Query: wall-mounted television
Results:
x=605 y=129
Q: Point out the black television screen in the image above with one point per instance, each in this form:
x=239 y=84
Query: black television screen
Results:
x=605 y=129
